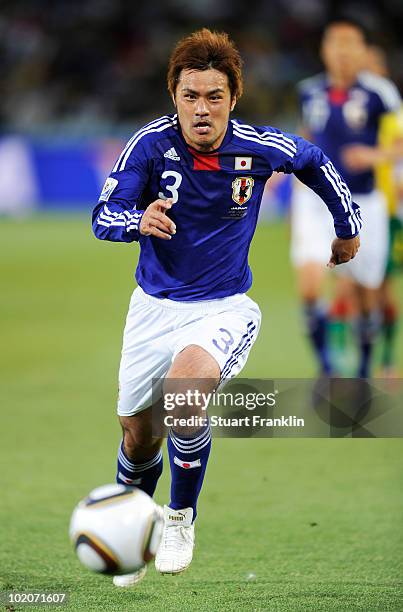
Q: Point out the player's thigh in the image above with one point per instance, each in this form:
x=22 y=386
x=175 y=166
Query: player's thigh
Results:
x=146 y=354
x=368 y=266
x=193 y=370
x=312 y=228
x=227 y=335
x=194 y=362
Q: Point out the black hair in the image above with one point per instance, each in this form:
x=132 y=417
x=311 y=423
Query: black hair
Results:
x=346 y=20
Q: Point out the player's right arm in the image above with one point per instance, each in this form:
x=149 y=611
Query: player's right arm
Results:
x=155 y=222
x=117 y=216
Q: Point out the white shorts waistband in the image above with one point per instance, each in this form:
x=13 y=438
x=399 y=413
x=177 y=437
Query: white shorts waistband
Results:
x=200 y=306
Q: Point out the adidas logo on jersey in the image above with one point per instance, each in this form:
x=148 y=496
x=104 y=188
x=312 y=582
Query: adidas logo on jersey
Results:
x=172 y=154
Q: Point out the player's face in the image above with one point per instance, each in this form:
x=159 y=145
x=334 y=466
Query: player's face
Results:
x=344 y=51
x=203 y=101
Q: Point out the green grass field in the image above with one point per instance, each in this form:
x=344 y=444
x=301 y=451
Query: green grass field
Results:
x=284 y=524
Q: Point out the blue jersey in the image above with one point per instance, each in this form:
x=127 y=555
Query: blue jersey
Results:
x=216 y=203
x=335 y=118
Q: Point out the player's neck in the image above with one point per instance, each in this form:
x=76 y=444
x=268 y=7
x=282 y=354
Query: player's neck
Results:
x=342 y=81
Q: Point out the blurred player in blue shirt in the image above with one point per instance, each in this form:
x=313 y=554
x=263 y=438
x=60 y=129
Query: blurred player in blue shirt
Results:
x=341 y=112
x=188 y=188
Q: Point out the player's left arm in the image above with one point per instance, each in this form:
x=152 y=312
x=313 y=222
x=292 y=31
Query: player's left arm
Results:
x=311 y=166
x=359 y=158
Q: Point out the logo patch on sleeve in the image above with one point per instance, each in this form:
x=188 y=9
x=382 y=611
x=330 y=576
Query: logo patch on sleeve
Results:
x=108 y=188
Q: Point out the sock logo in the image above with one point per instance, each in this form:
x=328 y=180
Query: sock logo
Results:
x=129 y=481
x=187 y=465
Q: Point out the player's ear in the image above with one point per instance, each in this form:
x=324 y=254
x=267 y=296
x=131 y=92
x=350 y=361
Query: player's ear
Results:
x=173 y=99
x=233 y=103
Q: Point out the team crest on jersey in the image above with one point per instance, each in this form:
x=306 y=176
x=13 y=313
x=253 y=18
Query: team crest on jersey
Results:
x=242 y=189
x=355 y=113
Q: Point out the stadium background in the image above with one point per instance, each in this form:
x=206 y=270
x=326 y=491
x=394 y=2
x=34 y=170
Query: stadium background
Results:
x=284 y=524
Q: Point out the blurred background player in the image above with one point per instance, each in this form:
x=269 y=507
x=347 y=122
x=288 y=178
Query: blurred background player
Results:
x=389 y=180
x=341 y=112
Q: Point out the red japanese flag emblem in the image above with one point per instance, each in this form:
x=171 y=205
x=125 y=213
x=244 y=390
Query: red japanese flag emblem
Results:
x=243 y=163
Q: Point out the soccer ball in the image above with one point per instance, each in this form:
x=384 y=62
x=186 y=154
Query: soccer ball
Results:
x=116 y=529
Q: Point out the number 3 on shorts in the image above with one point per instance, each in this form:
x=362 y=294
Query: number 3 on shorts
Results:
x=173 y=189
x=225 y=341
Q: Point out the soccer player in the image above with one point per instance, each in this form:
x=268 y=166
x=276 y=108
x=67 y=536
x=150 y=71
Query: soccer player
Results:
x=188 y=188
x=390 y=138
x=341 y=111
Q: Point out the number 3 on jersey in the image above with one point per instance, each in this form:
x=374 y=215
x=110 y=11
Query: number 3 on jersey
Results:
x=171 y=187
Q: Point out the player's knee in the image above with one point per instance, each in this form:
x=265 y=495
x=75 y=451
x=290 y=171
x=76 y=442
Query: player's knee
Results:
x=139 y=443
x=310 y=290
x=310 y=280
x=310 y=300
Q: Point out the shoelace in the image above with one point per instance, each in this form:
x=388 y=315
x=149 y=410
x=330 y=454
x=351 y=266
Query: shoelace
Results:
x=172 y=534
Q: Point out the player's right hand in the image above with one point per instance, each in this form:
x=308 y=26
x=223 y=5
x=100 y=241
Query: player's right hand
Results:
x=155 y=222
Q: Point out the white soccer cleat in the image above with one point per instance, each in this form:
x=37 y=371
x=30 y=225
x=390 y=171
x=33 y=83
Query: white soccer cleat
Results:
x=176 y=549
x=130 y=580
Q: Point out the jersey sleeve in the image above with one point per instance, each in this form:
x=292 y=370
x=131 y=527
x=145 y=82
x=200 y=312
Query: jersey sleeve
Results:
x=389 y=97
x=311 y=166
x=116 y=216
x=393 y=102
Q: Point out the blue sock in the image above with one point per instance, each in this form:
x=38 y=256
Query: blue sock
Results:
x=142 y=475
x=368 y=327
x=188 y=460
x=316 y=321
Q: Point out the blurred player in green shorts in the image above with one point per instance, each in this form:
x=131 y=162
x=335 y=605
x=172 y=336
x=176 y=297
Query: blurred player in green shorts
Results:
x=389 y=178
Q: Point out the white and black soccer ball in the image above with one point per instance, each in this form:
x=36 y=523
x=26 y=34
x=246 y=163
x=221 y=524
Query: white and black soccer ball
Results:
x=116 y=529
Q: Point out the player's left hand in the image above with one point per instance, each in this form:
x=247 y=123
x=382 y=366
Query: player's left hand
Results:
x=359 y=158
x=343 y=249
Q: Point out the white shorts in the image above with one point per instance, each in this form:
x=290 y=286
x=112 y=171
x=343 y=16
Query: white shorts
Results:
x=312 y=233
x=312 y=230
x=157 y=330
